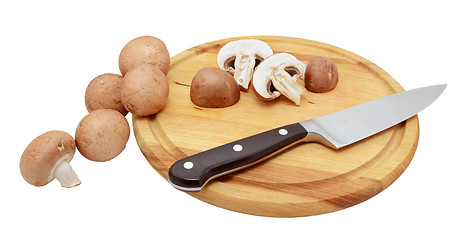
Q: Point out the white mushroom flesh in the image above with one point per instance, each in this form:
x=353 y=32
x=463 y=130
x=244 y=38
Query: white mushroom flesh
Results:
x=239 y=58
x=281 y=70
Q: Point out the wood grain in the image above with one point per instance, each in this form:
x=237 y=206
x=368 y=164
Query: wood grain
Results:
x=307 y=179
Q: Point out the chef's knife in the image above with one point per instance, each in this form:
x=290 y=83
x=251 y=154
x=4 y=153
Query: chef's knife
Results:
x=335 y=130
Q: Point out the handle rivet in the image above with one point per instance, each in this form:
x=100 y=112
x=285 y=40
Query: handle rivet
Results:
x=188 y=165
x=283 y=131
x=237 y=147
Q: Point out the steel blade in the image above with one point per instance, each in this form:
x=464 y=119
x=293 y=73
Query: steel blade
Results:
x=356 y=123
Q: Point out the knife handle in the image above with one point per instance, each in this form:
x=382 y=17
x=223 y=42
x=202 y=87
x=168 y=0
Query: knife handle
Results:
x=190 y=174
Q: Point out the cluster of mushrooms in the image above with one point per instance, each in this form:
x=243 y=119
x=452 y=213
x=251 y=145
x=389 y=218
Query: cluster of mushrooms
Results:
x=101 y=135
x=252 y=62
x=143 y=88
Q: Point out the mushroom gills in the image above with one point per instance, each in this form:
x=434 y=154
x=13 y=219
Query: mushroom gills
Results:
x=229 y=65
x=271 y=87
x=292 y=71
x=258 y=60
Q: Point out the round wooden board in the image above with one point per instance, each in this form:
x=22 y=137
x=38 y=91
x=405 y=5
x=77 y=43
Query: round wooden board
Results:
x=307 y=179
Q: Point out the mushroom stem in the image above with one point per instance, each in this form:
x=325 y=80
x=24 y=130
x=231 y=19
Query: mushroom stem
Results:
x=244 y=65
x=287 y=86
x=66 y=175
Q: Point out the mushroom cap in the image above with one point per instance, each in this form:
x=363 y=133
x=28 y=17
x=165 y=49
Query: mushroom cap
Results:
x=102 y=135
x=253 y=47
x=144 y=90
x=146 y=49
x=44 y=154
x=321 y=75
x=212 y=87
x=103 y=92
x=263 y=74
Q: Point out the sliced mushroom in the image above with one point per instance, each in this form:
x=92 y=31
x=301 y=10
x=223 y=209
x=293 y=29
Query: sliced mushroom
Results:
x=241 y=57
x=280 y=71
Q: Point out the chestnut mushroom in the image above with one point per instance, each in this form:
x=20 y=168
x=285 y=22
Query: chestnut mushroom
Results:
x=280 y=71
x=144 y=90
x=103 y=92
x=102 y=135
x=47 y=157
x=212 y=87
x=146 y=49
x=321 y=75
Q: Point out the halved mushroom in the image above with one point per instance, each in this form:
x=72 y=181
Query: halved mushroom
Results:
x=321 y=75
x=240 y=58
x=212 y=87
x=280 y=71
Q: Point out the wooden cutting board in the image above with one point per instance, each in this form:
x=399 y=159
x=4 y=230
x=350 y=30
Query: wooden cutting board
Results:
x=307 y=179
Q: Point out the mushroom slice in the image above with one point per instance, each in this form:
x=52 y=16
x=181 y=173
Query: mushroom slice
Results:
x=240 y=58
x=281 y=71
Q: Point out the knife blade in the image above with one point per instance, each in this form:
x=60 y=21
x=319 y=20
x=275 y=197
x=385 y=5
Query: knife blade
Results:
x=335 y=130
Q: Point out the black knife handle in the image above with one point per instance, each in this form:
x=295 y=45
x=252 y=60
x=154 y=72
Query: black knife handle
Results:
x=192 y=173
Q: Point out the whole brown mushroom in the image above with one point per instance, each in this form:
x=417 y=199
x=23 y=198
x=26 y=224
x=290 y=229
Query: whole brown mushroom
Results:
x=102 y=135
x=321 y=75
x=47 y=157
x=103 y=92
x=212 y=87
x=144 y=90
x=146 y=49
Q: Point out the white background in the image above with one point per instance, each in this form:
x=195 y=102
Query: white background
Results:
x=49 y=51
